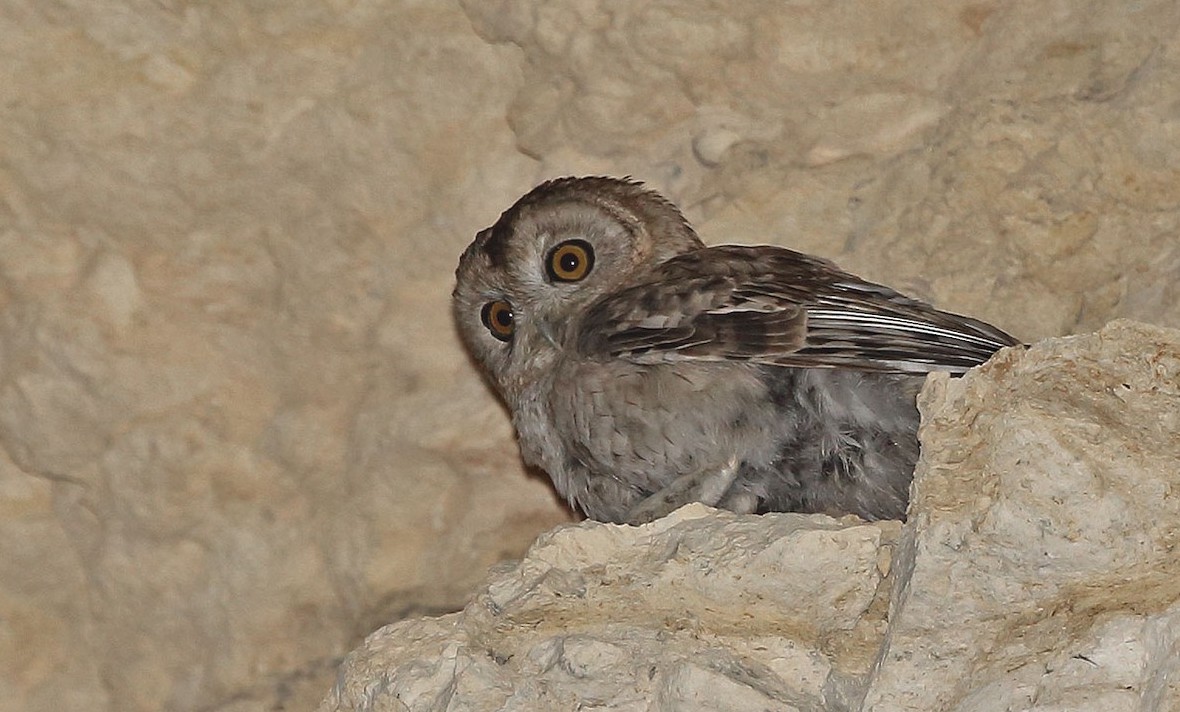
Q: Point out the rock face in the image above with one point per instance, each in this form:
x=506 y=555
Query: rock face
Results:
x=1038 y=570
x=699 y=610
x=237 y=432
x=1041 y=562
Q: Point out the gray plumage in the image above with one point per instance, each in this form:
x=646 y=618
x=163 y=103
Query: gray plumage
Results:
x=644 y=370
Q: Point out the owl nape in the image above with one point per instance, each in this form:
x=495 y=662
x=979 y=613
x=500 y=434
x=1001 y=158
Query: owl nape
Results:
x=644 y=370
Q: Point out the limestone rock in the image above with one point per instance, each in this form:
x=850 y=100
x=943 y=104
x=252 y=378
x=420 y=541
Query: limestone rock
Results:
x=237 y=431
x=235 y=424
x=699 y=610
x=1037 y=570
x=1039 y=566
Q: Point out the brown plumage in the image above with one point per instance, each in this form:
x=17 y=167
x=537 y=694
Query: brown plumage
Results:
x=645 y=370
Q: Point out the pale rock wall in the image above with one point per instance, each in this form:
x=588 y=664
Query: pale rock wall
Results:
x=1037 y=571
x=237 y=431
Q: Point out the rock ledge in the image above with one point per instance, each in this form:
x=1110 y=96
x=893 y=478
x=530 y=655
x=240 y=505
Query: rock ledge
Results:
x=1038 y=570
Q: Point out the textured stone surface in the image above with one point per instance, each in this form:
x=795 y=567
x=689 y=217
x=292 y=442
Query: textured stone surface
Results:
x=698 y=610
x=1040 y=563
x=1038 y=570
x=234 y=421
x=236 y=430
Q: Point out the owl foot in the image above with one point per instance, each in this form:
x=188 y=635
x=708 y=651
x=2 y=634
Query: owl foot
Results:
x=705 y=486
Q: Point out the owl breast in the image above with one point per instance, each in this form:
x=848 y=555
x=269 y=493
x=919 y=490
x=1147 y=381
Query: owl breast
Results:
x=614 y=432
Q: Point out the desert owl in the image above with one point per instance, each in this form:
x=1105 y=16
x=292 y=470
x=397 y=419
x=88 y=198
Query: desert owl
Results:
x=644 y=370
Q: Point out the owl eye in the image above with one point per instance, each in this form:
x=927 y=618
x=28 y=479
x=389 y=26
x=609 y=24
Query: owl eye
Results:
x=497 y=317
x=570 y=261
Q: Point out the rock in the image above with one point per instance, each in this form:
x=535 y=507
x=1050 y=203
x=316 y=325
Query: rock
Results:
x=1039 y=565
x=237 y=431
x=1037 y=570
x=699 y=610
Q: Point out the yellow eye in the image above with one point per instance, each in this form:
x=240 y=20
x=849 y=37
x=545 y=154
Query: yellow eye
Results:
x=570 y=261
x=497 y=316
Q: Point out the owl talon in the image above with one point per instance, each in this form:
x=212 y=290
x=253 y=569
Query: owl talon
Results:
x=705 y=486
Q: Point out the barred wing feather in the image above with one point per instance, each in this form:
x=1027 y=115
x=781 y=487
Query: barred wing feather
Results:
x=776 y=306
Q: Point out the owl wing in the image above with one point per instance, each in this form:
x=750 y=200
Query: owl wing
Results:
x=777 y=306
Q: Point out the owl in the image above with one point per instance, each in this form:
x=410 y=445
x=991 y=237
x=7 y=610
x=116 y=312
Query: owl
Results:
x=644 y=370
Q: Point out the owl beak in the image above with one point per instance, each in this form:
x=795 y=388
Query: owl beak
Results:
x=546 y=331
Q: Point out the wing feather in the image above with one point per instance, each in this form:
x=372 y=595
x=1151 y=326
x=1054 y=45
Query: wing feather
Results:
x=777 y=306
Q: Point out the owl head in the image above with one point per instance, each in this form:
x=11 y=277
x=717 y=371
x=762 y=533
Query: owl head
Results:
x=524 y=282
